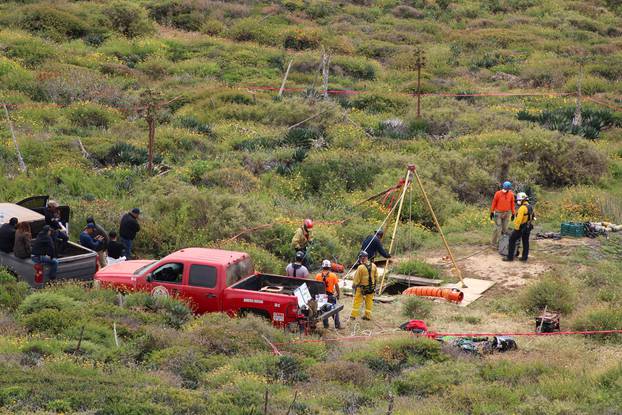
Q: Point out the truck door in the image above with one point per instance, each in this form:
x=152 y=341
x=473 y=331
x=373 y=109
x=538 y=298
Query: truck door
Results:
x=166 y=280
x=202 y=288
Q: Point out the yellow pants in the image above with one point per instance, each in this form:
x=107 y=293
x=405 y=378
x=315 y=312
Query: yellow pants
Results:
x=358 y=301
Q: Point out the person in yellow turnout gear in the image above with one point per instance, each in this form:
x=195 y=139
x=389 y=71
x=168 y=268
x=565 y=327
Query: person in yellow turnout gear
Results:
x=364 y=285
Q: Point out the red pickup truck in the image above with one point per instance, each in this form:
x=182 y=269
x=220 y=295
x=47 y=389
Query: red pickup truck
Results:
x=214 y=280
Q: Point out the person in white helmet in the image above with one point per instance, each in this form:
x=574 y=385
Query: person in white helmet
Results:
x=331 y=282
x=522 y=228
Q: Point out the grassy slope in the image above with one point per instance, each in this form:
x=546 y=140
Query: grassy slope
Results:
x=78 y=75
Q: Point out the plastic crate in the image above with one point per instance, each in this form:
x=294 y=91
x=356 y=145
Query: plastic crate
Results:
x=573 y=229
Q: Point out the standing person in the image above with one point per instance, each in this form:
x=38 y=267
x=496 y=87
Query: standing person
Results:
x=7 y=236
x=364 y=285
x=502 y=211
x=522 y=228
x=100 y=232
x=42 y=251
x=331 y=281
x=115 y=249
x=89 y=240
x=23 y=237
x=302 y=239
x=373 y=245
x=59 y=237
x=128 y=229
x=296 y=269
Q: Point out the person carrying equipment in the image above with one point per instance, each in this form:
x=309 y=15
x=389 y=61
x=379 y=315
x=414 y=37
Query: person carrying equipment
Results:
x=302 y=239
x=331 y=281
x=522 y=228
x=364 y=286
x=296 y=269
x=373 y=245
x=502 y=211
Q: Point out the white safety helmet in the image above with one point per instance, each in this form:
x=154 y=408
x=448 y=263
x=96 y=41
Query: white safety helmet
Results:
x=521 y=196
x=326 y=263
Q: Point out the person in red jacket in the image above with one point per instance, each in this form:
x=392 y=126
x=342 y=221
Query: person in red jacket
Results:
x=502 y=211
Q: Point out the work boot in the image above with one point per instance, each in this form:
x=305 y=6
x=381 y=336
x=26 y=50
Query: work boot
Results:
x=352 y=318
x=522 y=259
x=367 y=318
x=506 y=259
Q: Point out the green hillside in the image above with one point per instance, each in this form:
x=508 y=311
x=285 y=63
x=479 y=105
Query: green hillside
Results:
x=231 y=155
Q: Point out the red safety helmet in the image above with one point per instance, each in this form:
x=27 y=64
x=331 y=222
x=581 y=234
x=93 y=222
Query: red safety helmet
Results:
x=308 y=223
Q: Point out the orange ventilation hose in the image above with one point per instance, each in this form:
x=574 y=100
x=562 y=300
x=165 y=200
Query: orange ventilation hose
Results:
x=450 y=294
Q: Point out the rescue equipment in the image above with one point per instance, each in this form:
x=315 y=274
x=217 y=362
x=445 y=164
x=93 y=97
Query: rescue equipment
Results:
x=450 y=294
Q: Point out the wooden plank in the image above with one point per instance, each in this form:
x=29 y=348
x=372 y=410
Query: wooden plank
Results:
x=412 y=280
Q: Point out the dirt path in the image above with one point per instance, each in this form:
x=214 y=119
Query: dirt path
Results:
x=484 y=262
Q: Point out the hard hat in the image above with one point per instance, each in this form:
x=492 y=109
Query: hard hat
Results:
x=363 y=254
x=300 y=256
x=326 y=263
x=521 y=196
x=308 y=223
x=507 y=185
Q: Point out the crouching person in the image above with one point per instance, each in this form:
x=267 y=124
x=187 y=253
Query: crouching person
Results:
x=331 y=282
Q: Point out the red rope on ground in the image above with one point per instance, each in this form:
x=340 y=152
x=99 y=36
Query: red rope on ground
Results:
x=434 y=335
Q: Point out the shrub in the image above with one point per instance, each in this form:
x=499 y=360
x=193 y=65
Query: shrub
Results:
x=604 y=318
x=416 y=308
x=91 y=115
x=125 y=153
x=46 y=300
x=12 y=293
x=406 y=12
x=391 y=356
x=47 y=320
x=192 y=123
x=52 y=22
x=234 y=179
x=418 y=268
x=288 y=369
x=375 y=103
x=435 y=379
x=343 y=371
x=338 y=170
x=127 y=18
x=554 y=293
x=250 y=29
x=212 y=27
x=301 y=39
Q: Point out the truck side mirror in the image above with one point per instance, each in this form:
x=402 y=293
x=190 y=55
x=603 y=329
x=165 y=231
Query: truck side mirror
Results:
x=149 y=277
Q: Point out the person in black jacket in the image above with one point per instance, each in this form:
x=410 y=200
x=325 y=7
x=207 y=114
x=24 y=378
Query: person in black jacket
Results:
x=115 y=249
x=128 y=229
x=43 y=251
x=373 y=245
x=7 y=236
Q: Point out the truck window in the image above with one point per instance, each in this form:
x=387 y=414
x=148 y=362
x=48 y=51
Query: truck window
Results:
x=239 y=270
x=202 y=276
x=171 y=273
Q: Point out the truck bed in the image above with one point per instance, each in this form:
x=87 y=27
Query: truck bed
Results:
x=75 y=262
x=277 y=284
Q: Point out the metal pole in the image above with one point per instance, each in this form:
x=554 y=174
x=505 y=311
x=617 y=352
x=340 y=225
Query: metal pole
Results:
x=282 y=88
x=397 y=221
x=438 y=226
x=20 y=159
x=418 y=91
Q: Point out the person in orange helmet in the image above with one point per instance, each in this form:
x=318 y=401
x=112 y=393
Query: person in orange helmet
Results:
x=302 y=238
x=502 y=211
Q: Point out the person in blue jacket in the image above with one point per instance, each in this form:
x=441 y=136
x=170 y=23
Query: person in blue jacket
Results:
x=88 y=241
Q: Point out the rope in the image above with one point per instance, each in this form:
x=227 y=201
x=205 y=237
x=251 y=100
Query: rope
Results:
x=434 y=335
